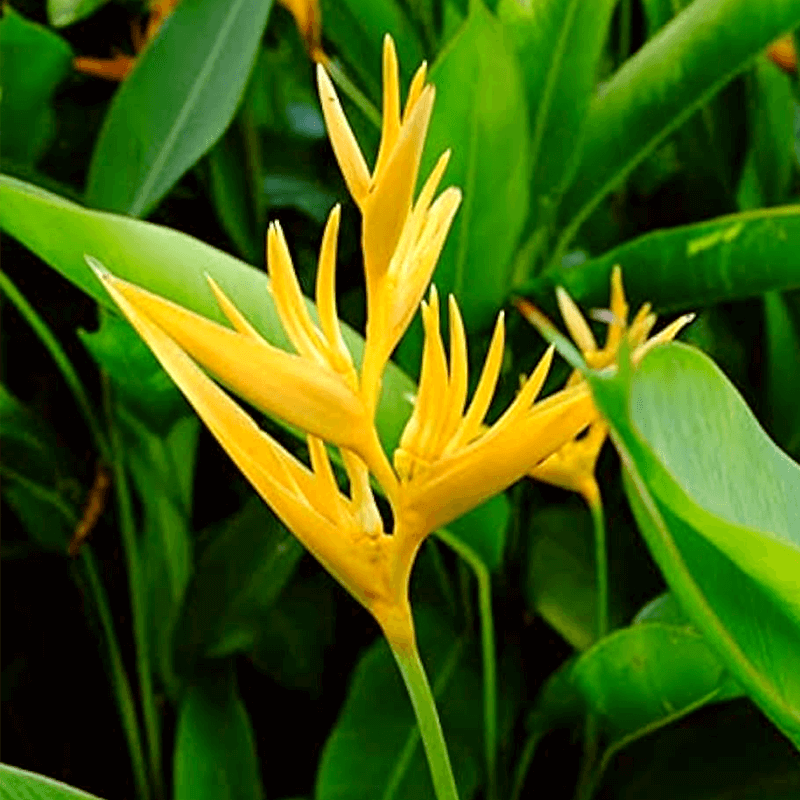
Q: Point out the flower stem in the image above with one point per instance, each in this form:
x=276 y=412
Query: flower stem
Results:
x=419 y=690
x=601 y=564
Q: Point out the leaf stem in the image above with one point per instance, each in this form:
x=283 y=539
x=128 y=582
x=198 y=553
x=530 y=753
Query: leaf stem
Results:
x=601 y=564
x=407 y=657
x=62 y=362
x=136 y=589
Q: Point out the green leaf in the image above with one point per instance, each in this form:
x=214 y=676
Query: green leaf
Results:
x=237 y=579
x=19 y=784
x=559 y=44
x=168 y=263
x=484 y=530
x=140 y=383
x=374 y=749
x=35 y=60
x=357 y=28
x=664 y=83
x=215 y=753
x=561 y=581
x=724 y=753
x=782 y=331
x=486 y=127
x=692 y=266
x=37 y=475
x=768 y=168
x=646 y=676
x=176 y=103
x=717 y=503
x=64 y=12
x=162 y=468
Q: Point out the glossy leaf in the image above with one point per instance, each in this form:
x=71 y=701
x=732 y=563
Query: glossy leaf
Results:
x=35 y=61
x=215 y=753
x=237 y=578
x=486 y=127
x=19 y=784
x=176 y=103
x=662 y=84
x=692 y=266
x=648 y=675
x=64 y=12
x=717 y=503
x=782 y=332
x=559 y=44
x=168 y=263
x=374 y=749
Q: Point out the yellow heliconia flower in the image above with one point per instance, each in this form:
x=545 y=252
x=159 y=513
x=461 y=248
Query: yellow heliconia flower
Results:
x=572 y=466
x=447 y=462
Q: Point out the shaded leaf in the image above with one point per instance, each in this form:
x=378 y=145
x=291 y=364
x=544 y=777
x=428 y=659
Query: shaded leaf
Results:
x=35 y=60
x=215 y=753
x=19 y=784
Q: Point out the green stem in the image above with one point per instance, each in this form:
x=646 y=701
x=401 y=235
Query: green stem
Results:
x=51 y=344
x=419 y=690
x=524 y=764
x=488 y=654
x=601 y=565
x=136 y=588
x=119 y=679
x=353 y=93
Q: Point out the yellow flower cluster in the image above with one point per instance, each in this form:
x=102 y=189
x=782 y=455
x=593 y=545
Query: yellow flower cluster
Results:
x=448 y=461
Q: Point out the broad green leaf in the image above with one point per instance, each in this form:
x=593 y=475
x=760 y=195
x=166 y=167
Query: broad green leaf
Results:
x=717 y=503
x=168 y=263
x=35 y=60
x=64 y=12
x=374 y=749
x=19 y=784
x=486 y=127
x=661 y=85
x=237 y=578
x=357 y=28
x=559 y=44
x=176 y=103
x=646 y=676
x=162 y=468
x=768 y=168
x=215 y=752
x=293 y=191
x=692 y=266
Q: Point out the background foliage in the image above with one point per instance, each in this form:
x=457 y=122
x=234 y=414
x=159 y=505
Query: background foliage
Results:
x=190 y=649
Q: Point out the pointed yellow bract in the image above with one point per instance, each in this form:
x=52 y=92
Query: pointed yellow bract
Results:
x=448 y=461
x=572 y=466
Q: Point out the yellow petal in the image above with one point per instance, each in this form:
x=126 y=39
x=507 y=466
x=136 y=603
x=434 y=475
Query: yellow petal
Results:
x=302 y=393
x=455 y=484
x=575 y=321
x=388 y=204
x=345 y=147
x=256 y=454
x=391 y=106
